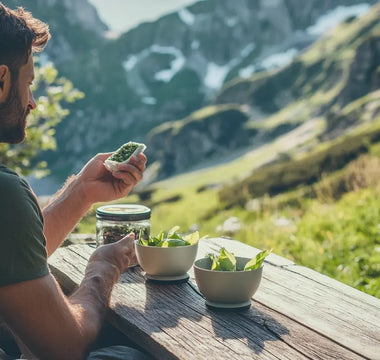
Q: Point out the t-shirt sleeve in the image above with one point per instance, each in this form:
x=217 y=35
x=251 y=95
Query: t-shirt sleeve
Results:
x=23 y=253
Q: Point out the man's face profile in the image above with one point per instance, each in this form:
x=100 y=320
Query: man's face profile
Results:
x=17 y=105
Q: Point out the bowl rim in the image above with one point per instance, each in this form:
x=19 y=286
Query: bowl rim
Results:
x=223 y=271
x=163 y=247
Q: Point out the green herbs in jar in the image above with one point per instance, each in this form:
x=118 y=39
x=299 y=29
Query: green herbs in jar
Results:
x=116 y=221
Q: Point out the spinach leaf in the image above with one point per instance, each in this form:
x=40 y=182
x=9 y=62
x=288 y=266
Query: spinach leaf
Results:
x=171 y=239
x=256 y=262
x=215 y=264
x=226 y=261
x=173 y=243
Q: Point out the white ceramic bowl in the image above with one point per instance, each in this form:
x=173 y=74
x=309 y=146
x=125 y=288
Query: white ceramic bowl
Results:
x=166 y=261
x=227 y=288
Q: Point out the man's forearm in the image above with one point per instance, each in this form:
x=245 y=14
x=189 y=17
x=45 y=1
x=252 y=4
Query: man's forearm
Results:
x=92 y=297
x=66 y=326
x=63 y=212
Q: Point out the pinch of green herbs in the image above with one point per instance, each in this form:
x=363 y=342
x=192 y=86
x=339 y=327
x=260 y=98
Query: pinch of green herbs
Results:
x=124 y=152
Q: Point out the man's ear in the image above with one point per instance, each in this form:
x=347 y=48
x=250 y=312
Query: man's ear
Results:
x=5 y=82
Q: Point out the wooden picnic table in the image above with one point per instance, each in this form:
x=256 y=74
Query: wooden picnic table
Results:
x=296 y=313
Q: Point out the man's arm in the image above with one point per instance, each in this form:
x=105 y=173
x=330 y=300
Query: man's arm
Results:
x=54 y=327
x=93 y=184
x=63 y=213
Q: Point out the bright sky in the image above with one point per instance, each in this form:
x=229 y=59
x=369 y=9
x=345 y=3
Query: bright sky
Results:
x=121 y=15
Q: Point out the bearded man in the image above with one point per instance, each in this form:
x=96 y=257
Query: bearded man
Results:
x=46 y=323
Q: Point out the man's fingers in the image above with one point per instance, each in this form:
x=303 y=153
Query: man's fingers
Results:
x=131 y=172
x=128 y=239
x=131 y=176
x=129 y=249
x=139 y=161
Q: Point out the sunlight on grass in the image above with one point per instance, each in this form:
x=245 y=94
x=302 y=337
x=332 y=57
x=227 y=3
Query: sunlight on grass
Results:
x=185 y=213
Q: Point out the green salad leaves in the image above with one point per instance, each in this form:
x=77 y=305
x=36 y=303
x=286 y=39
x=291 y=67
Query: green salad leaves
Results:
x=171 y=239
x=226 y=261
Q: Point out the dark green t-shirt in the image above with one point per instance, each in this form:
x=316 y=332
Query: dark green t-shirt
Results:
x=22 y=242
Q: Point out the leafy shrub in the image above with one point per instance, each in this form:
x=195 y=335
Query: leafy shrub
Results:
x=41 y=122
x=288 y=175
x=359 y=174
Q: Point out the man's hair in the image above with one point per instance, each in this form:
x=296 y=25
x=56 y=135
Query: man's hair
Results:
x=20 y=35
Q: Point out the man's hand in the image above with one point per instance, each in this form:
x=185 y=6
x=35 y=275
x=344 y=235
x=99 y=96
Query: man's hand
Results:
x=99 y=185
x=116 y=256
x=103 y=270
x=93 y=184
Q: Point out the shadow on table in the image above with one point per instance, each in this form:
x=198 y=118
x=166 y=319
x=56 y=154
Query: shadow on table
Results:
x=161 y=300
x=252 y=326
x=163 y=305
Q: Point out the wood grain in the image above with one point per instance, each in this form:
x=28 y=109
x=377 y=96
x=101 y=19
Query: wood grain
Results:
x=296 y=313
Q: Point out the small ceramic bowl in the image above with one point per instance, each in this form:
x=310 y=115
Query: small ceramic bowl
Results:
x=227 y=289
x=166 y=263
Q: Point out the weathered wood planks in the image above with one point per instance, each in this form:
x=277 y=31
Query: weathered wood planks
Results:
x=296 y=313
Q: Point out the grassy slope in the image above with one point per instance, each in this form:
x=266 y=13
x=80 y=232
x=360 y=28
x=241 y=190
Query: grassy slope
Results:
x=340 y=239
x=336 y=236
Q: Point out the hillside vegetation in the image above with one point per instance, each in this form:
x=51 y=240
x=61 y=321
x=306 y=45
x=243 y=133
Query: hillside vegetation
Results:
x=308 y=185
x=331 y=225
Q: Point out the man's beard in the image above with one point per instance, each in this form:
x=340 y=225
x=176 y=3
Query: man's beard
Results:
x=13 y=117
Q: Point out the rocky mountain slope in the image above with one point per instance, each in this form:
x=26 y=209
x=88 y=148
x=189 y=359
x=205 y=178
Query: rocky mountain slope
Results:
x=325 y=81
x=333 y=87
x=163 y=71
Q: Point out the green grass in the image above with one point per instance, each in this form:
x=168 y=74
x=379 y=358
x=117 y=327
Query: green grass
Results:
x=339 y=238
x=331 y=226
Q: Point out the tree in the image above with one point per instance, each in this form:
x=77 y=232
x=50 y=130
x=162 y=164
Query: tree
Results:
x=52 y=92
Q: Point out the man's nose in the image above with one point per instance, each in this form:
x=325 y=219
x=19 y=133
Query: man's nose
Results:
x=32 y=102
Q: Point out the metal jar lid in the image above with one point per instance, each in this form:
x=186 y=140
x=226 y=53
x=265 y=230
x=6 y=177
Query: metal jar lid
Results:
x=123 y=212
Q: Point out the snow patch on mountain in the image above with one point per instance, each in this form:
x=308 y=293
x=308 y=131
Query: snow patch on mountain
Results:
x=195 y=45
x=231 y=22
x=186 y=16
x=130 y=63
x=247 y=71
x=215 y=75
x=247 y=50
x=279 y=59
x=175 y=66
x=149 y=100
x=164 y=75
x=335 y=16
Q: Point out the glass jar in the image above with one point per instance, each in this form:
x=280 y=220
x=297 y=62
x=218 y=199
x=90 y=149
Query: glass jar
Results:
x=116 y=221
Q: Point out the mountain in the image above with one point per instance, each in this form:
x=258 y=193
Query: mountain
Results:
x=165 y=70
x=333 y=89
x=213 y=131
x=325 y=92
x=333 y=78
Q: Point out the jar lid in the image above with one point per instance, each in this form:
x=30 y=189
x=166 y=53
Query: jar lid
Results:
x=129 y=212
